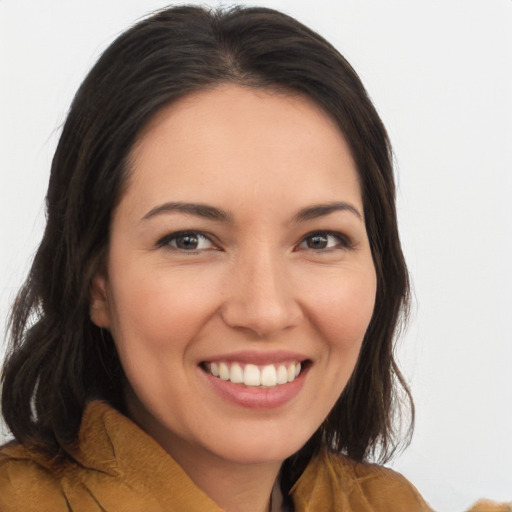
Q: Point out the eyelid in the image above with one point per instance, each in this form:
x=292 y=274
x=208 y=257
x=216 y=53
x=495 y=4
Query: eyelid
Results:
x=164 y=242
x=346 y=241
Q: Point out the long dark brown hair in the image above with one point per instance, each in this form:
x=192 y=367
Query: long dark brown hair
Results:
x=58 y=359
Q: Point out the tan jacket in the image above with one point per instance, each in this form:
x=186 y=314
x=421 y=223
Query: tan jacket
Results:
x=122 y=469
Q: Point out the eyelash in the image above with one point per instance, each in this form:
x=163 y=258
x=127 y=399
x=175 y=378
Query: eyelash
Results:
x=166 y=241
x=343 y=242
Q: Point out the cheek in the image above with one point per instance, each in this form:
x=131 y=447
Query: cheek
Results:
x=343 y=308
x=157 y=315
x=342 y=314
x=159 y=309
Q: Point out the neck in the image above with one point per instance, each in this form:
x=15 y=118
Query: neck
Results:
x=233 y=486
x=237 y=488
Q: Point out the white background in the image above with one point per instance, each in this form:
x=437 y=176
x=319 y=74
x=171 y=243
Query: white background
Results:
x=440 y=74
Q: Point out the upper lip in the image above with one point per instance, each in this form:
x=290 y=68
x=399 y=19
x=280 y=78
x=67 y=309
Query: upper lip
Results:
x=258 y=358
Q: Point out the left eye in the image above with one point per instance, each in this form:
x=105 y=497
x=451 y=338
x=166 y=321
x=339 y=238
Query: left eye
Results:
x=321 y=241
x=186 y=241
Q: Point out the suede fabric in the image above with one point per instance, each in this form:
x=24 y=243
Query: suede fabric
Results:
x=119 y=468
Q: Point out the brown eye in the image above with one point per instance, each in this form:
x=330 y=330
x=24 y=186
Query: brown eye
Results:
x=320 y=241
x=317 y=241
x=186 y=241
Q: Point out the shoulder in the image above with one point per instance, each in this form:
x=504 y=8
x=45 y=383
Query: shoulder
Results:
x=356 y=486
x=376 y=481
x=27 y=482
x=31 y=480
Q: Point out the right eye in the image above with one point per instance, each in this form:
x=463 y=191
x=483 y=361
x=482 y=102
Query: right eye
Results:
x=189 y=241
x=325 y=241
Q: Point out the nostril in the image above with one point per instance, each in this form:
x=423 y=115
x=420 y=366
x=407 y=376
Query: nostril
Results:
x=264 y=319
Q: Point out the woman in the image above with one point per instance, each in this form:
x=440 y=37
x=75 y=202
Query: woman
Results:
x=218 y=285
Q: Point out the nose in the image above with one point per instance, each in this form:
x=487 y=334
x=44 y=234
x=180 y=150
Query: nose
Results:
x=261 y=296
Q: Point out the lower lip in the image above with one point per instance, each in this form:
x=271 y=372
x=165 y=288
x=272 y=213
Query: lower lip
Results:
x=257 y=398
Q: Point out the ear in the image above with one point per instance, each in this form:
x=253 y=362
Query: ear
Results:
x=99 y=309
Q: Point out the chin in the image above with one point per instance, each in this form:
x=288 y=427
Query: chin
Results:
x=258 y=449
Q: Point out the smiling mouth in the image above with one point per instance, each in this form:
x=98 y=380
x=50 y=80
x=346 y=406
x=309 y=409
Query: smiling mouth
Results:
x=251 y=375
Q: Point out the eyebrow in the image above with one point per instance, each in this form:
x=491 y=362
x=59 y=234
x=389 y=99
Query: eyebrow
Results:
x=197 y=209
x=213 y=213
x=320 y=210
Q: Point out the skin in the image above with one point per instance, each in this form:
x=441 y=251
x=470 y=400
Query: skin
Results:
x=255 y=282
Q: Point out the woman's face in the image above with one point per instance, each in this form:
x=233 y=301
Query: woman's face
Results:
x=237 y=253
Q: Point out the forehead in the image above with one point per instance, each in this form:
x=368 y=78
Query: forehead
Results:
x=257 y=142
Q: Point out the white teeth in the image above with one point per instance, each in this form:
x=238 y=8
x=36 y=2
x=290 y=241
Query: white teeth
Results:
x=251 y=375
x=268 y=375
x=236 y=375
x=214 y=369
x=223 y=371
x=282 y=374
x=291 y=372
